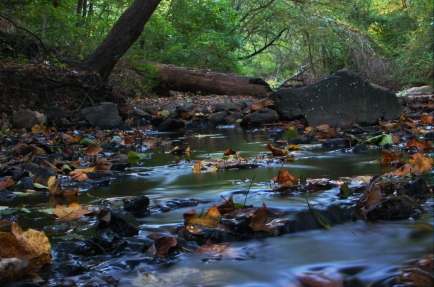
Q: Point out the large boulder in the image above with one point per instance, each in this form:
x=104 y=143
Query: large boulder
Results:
x=260 y=117
x=104 y=115
x=25 y=118
x=337 y=100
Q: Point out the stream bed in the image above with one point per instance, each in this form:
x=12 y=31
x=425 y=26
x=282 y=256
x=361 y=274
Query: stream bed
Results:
x=359 y=253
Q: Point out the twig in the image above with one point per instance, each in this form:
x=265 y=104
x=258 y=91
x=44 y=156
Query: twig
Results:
x=248 y=190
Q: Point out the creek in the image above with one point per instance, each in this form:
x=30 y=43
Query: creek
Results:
x=363 y=253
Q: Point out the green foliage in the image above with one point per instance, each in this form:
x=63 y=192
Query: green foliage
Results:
x=388 y=42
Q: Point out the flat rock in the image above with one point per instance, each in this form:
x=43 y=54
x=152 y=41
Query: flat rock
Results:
x=337 y=100
x=104 y=115
x=260 y=117
x=25 y=118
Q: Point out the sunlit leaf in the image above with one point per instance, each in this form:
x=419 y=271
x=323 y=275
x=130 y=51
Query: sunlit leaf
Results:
x=73 y=211
x=421 y=164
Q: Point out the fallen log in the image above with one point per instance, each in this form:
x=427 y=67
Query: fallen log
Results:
x=207 y=82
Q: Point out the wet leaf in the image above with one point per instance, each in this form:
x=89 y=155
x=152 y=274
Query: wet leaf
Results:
x=227 y=206
x=229 y=151
x=53 y=185
x=289 y=134
x=210 y=247
x=344 y=191
x=163 y=245
x=420 y=145
x=263 y=221
x=44 y=163
x=370 y=199
x=294 y=147
x=92 y=150
x=194 y=223
x=73 y=211
x=403 y=170
x=389 y=156
x=276 y=151
x=38 y=128
x=80 y=174
x=327 y=277
x=199 y=167
x=323 y=128
x=103 y=164
x=86 y=141
x=6 y=184
x=426 y=120
x=284 y=177
x=421 y=164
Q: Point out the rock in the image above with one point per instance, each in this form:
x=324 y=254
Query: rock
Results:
x=337 y=100
x=137 y=206
x=141 y=113
x=417 y=91
x=220 y=107
x=429 y=136
x=25 y=118
x=104 y=115
x=260 y=117
x=417 y=190
x=218 y=118
x=171 y=125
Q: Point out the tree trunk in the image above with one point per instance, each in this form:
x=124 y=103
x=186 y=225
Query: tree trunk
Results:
x=206 y=82
x=125 y=32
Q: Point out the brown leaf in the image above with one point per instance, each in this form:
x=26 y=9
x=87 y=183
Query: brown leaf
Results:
x=421 y=164
x=284 y=176
x=164 y=244
x=92 y=150
x=323 y=128
x=73 y=211
x=44 y=163
x=229 y=151
x=276 y=151
x=6 y=184
x=35 y=243
x=389 y=156
x=80 y=174
x=194 y=223
x=261 y=221
x=403 y=170
x=426 y=120
x=210 y=247
x=420 y=145
x=265 y=103
x=103 y=164
x=227 y=206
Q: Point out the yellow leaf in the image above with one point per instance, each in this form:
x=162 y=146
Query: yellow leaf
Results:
x=38 y=128
x=73 y=211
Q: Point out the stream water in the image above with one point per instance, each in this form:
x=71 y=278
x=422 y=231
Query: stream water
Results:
x=364 y=253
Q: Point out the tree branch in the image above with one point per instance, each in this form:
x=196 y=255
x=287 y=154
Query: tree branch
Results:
x=263 y=48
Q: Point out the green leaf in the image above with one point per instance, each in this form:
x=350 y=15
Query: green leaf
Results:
x=386 y=139
x=134 y=157
x=345 y=191
x=289 y=134
x=40 y=186
x=86 y=141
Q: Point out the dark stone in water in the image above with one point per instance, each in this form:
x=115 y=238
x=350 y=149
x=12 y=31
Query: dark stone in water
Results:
x=137 y=206
x=360 y=148
x=395 y=208
x=335 y=143
x=7 y=196
x=21 y=284
x=417 y=189
x=429 y=136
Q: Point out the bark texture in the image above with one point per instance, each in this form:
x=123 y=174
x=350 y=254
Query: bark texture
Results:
x=206 y=82
x=125 y=32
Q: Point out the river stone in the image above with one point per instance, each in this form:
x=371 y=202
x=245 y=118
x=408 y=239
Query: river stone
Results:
x=260 y=117
x=104 y=115
x=170 y=124
x=218 y=118
x=25 y=118
x=219 y=107
x=337 y=100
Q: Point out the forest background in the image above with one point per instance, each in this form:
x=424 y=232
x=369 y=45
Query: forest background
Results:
x=389 y=43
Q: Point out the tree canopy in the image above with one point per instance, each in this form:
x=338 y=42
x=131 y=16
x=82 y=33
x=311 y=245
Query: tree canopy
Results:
x=388 y=42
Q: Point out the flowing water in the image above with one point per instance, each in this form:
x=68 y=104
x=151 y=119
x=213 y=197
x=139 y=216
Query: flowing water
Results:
x=363 y=253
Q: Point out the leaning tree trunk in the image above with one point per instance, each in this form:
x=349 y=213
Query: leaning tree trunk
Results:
x=206 y=82
x=124 y=33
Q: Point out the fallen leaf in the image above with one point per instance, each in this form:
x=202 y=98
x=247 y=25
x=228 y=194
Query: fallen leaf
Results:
x=323 y=128
x=294 y=147
x=210 y=247
x=103 y=164
x=276 y=151
x=6 y=184
x=35 y=243
x=421 y=164
x=426 y=120
x=420 y=145
x=262 y=221
x=229 y=151
x=284 y=177
x=194 y=223
x=163 y=245
x=44 y=163
x=389 y=156
x=38 y=128
x=403 y=170
x=92 y=150
x=73 y=211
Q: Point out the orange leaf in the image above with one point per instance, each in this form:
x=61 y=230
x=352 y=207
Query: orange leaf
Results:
x=323 y=128
x=229 y=151
x=92 y=150
x=194 y=223
x=284 y=176
x=420 y=145
x=421 y=164
x=426 y=120
x=73 y=211
x=44 y=163
x=403 y=170
x=164 y=244
x=6 y=184
x=275 y=150
x=103 y=164
x=389 y=156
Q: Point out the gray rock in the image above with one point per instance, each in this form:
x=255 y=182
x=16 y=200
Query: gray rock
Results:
x=171 y=125
x=218 y=119
x=104 y=115
x=141 y=113
x=25 y=118
x=337 y=100
x=260 y=117
x=219 y=107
